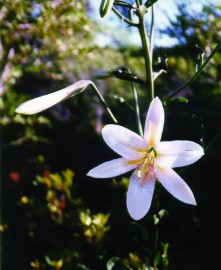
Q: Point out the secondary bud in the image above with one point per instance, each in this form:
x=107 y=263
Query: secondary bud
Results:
x=105 y=7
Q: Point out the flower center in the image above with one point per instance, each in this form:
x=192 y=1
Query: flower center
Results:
x=146 y=169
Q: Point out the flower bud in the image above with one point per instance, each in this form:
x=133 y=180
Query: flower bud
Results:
x=44 y=102
x=105 y=7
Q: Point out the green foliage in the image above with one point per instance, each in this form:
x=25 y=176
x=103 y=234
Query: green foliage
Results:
x=58 y=189
x=94 y=226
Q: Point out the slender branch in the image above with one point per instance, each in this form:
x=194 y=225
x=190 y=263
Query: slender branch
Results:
x=215 y=139
x=137 y=109
x=188 y=82
x=156 y=240
x=123 y=18
x=152 y=33
x=156 y=229
x=148 y=63
x=103 y=103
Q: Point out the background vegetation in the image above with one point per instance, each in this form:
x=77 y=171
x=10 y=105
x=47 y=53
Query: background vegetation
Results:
x=52 y=215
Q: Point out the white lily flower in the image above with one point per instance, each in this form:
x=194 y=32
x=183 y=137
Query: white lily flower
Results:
x=152 y=160
x=44 y=102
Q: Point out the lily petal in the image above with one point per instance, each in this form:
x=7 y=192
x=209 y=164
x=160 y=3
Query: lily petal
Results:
x=178 y=153
x=174 y=184
x=124 y=141
x=44 y=102
x=139 y=196
x=154 y=123
x=112 y=168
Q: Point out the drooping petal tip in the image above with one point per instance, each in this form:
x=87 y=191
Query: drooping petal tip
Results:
x=175 y=185
x=139 y=196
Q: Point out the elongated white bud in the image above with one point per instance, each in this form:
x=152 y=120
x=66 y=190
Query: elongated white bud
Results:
x=44 y=102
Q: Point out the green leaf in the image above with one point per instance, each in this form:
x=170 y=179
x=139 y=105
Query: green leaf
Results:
x=120 y=72
x=123 y=74
x=157 y=259
x=48 y=260
x=174 y=101
x=165 y=259
x=149 y=3
x=123 y=4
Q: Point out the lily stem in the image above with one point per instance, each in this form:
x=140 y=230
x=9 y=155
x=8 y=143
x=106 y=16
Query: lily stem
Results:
x=137 y=108
x=103 y=102
x=146 y=52
x=138 y=3
x=152 y=33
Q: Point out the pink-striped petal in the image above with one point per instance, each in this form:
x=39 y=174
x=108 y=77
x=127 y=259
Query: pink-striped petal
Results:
x=124 y=141
x=178 y=153
x=44 y=102
x=174 y=184
x=139 y=196
x=112 y=168
x=154 y=123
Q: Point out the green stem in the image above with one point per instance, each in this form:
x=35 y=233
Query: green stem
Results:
x=152 y=33
x=103 y=103
x=148 y=62
x=137 y=109
x=188 y=82
x=138 y=3
x=123 y=18
x=156 y=240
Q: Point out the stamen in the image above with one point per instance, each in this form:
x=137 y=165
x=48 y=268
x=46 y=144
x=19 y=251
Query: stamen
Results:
x=146 y=169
